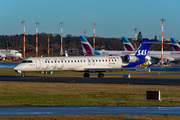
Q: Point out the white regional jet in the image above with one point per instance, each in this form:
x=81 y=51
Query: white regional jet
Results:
x=9 y=53
x=84 y=63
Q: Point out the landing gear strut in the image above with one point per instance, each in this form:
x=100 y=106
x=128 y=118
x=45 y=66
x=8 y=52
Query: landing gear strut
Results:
x=86 y=74
x=23 y=74
x=100 y=75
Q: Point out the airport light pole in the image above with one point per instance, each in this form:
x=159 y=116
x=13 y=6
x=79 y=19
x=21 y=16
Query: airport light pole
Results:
x=37 y=39
x=61 y=39
x=163 y=20
x=85 y=32
x=94 y=36
x=135 y=38
x=48 y=45
x=24 y=39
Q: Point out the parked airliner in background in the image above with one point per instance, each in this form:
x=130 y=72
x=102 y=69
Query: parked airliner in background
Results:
x=9 y=53
x=173 y=56
x=84 y=64
x=88 y=50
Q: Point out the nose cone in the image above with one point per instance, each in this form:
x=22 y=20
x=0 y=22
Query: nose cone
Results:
x=20 y=55
x=17 y=67
x=20 y=67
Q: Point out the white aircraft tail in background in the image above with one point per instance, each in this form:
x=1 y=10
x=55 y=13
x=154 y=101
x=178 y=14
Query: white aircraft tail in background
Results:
x=176 y=46
x=127 y=45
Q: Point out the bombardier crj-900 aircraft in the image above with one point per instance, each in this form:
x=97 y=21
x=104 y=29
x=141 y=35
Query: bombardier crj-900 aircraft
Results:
x=84 y=64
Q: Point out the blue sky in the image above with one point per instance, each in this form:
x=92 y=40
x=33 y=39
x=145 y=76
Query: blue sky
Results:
x=114 y=18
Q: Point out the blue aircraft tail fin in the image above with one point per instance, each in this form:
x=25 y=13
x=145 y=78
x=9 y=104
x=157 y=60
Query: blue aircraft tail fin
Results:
x=140 y=54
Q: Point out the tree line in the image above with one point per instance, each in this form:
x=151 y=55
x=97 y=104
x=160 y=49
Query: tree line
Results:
x=69 y=43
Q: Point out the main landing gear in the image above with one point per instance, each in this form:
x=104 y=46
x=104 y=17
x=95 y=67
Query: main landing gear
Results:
x=100 y=75
x=86 y=74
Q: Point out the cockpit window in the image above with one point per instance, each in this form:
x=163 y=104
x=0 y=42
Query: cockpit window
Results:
x=17 y=52
x=27 y=61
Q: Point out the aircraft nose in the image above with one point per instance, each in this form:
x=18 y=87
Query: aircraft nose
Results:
x=17 y=67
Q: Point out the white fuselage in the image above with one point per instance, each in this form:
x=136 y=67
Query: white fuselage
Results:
x=69 y=63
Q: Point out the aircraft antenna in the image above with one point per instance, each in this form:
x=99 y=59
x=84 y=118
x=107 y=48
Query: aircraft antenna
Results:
x=24 y=38
x=61 y=39
x=94 y=36
x=163 y=20
x=37 y=39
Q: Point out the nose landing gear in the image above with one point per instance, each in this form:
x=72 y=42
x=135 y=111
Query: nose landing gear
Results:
x=23 y=74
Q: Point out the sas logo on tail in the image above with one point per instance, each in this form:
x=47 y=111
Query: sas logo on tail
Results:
x=142 y=52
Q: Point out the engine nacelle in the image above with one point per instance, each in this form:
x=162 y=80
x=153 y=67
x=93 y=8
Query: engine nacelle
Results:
x=130 y=58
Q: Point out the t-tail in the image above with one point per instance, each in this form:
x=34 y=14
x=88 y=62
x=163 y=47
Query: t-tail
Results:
x=127 y=45
x=87 y=48
x=176 y=46
x=139 y=56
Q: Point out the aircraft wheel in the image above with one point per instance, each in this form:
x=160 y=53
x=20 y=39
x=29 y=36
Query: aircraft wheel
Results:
x=100 y=75
x=22 y=74
x=86 y=75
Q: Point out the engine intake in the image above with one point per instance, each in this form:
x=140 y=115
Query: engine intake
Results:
x=130 y=58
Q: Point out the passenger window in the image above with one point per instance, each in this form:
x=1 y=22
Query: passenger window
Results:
x=65 y=61
x=96 y=60
x=72 y=61
x=78 y=60
x=62 y=61
x=112 y=59
x=45 y=61
x=99 y=60
x=58 y=61
x=68 y=61
x=81 y=60
x=84 y=60
x=102 y=60
x=106 y=60
x=55 y=61
x=48 y=61
x=51 y=61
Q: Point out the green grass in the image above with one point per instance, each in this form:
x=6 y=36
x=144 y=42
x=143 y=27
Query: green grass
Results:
x=84 y=94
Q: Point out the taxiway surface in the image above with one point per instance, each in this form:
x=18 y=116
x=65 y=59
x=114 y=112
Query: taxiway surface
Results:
x=109 y=80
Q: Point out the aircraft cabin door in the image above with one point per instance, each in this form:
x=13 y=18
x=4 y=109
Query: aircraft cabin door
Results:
x=38 y=63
